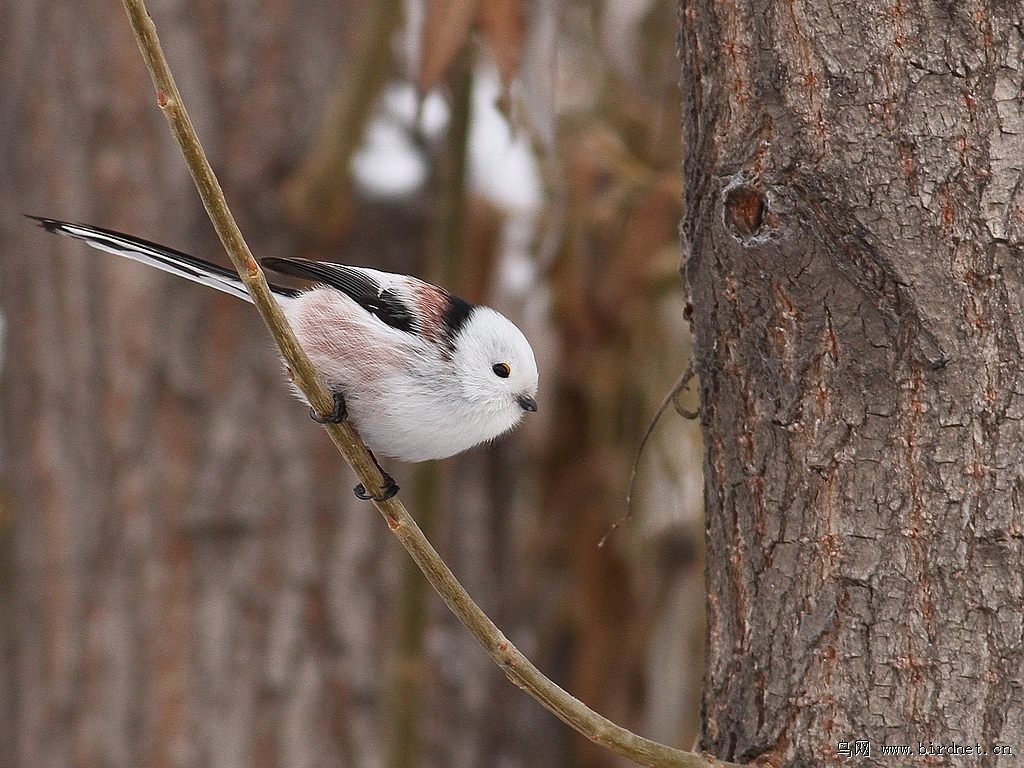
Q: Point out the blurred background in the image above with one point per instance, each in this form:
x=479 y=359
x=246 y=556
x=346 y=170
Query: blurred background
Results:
x=185 y=576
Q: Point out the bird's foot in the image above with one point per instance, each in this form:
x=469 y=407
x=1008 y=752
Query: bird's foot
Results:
x=390 y=489
x=338 y=415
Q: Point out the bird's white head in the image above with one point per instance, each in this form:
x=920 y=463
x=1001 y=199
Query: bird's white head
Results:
x=496 y=368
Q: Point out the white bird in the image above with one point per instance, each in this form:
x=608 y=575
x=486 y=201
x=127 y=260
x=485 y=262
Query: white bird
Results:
x=421 y=373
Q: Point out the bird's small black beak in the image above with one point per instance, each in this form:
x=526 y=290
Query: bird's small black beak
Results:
x=527 y=403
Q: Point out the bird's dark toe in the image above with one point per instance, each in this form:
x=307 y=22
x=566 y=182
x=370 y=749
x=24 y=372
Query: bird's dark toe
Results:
x=390 y=489
x=338 y=415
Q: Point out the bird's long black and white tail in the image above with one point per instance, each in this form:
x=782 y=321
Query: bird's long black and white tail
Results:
x=159 y=256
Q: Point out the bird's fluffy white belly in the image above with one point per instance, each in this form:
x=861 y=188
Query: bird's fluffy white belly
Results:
x=421 y=428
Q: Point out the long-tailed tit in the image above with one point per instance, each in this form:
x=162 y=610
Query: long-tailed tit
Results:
x=421 y=373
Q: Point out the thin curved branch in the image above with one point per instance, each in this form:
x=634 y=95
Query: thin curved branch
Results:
x=516 y=667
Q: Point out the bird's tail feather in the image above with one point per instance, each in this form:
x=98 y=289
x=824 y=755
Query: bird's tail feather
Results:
x=159 y=256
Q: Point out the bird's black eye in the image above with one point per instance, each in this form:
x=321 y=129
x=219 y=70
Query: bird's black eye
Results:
x=502 y=370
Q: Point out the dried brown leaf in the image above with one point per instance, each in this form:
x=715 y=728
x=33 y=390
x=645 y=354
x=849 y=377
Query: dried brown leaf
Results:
x=446 y=30
x=503 y=26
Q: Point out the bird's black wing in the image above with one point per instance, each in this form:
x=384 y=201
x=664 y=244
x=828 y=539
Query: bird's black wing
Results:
x=357 y=284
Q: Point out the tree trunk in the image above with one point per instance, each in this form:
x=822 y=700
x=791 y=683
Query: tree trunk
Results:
x=853 y=224
x=183 y=575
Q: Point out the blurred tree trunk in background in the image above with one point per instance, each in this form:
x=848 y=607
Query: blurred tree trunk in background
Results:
x=853 y=221
x=187 y=578
x=192 y=585
x=618 y=309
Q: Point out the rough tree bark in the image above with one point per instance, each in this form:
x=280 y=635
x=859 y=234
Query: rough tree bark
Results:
x=853 y=226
